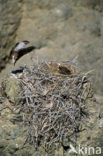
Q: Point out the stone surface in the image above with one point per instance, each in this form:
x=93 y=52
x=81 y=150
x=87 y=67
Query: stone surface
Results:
x=63 y=30
x=12 y=89
x=10 y=17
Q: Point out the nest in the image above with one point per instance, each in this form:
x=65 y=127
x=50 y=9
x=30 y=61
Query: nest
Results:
x=53 y=101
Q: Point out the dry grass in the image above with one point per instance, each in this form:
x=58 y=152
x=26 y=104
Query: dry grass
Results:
x=53 y=101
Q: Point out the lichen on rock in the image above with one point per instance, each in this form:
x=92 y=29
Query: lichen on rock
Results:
x=11 y=88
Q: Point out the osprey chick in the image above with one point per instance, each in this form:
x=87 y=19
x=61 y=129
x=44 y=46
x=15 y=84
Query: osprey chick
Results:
x=18 y=51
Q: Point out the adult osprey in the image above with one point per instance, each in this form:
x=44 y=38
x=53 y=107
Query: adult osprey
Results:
x=18 y=51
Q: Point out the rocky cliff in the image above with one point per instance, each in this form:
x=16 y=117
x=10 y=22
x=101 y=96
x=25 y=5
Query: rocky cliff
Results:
x=62 y=29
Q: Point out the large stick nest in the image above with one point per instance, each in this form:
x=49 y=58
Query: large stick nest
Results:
x=53 y=101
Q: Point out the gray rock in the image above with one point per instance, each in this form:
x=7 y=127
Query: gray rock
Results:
x=62 y=30
x=10 y=16
x=12 y=89
x=62 y=11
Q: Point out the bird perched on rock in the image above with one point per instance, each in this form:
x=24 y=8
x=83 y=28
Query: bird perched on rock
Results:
x=20 y=50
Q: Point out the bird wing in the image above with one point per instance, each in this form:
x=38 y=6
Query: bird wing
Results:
x=18 y=46
x=24 y=51
x=64 y=70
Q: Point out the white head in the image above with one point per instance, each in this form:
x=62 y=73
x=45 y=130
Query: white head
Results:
x=21 y=45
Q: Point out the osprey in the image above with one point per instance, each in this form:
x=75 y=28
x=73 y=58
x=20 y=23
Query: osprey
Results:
x=19 y=50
